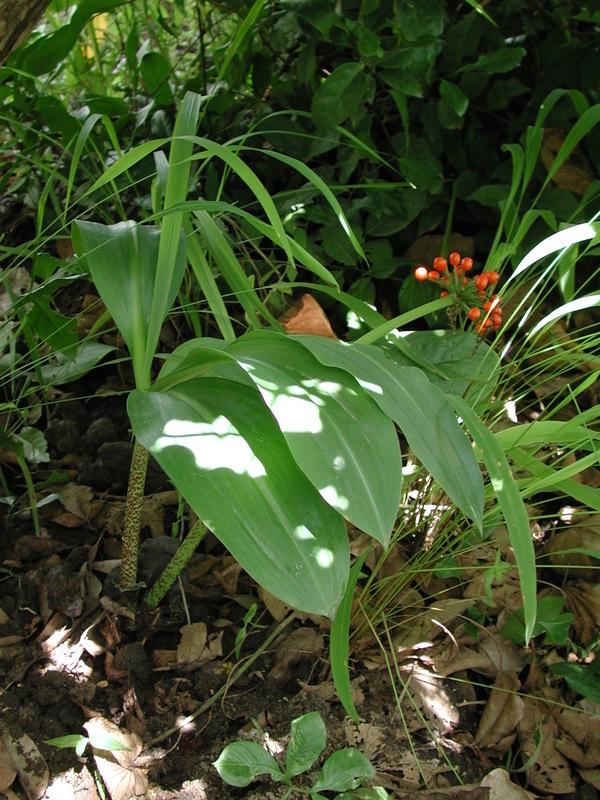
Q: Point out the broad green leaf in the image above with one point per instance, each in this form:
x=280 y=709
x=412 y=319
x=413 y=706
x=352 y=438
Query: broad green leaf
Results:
x=454 y=96
x=43 y=56
x=550 y=620
x=122 y=260
x=464 y=363
x=345 y=769
x=307 y=742
x=339 y=96
x=221 y=447
x=503 y=60
x=582 y=678
x=155 y=71
x=421 y=411
x=241 y=762
x=511 y=503
x=35 y=446
x=338 y=436
x=70 y=740
x=76 y=364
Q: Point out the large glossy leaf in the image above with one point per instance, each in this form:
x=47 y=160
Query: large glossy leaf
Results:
x=421 y=411
x=338 y=436
x=122 y=259
x=221 y=447
x=465 y=365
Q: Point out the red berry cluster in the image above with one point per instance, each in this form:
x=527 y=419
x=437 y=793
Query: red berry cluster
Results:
x=469 y=295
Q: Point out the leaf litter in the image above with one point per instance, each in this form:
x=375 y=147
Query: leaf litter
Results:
x=465 y=698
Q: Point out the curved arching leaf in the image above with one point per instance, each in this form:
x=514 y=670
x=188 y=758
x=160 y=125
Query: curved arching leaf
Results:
x=221 y=447
x=421 y=411
x=338 y=436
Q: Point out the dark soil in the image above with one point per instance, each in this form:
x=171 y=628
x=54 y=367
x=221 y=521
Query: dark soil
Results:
x=68 y=654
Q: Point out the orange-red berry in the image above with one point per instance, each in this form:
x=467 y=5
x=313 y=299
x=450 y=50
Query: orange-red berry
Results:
x=421 y=273
x=454 y=259
x=434 y=275
x=440 y=264
x=474 y=314
x=445 y=294
x=467 y=264
x=492 y=277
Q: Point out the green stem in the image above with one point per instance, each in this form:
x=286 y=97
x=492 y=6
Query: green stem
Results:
x=30 y=491
x=133 y=517
x=449 y=221
x=176 y=565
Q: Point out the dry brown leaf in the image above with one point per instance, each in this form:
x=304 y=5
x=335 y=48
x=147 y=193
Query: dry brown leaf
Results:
x=78 y=505
x=452 y=659
x=8 y=641
x=92 y=309
x=192 y=644
x=503 y=711
x=576 y=174
x=163 y=660
x=583 y=601
x=8 y=771
x=118 y=769
x=433 y=698
x=591 y=776
x=579 y=737
x=307 y=316
x=229 y=577
x=4 y=618
x=279 y=610
x=551 y=773
x=502 y=788
x=431 y=622
x=367 y=737
x=28 y=762
x=502 y=653
x=426 y=248
x=301 y=645
x=583 y=537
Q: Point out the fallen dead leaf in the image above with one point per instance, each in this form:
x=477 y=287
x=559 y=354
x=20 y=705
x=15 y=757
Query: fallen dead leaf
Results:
x=428 y=688
x=502 y=788
x=426 y=248
x=192 y=644
x=8 y=771
x=118 y=769
x=551 y=772
x=307 y=316
x=576 y=174
x=562 y=547
x=229 y=577
x=301 y=645
x=583 y=601
x=503 y=711
x=280 y=610
x=579 y=737
x=28 y=762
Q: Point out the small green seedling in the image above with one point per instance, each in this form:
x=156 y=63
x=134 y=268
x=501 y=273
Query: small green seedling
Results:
x=343 y=772
x=550 y=620
x=79 y=742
